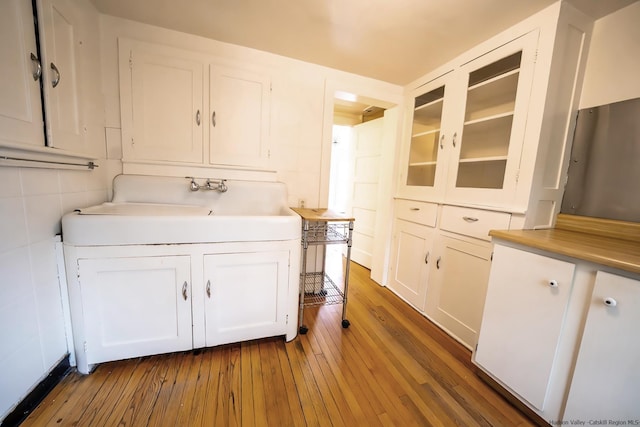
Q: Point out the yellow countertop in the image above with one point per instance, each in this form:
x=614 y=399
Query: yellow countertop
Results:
x=582 y=239
x=321 y=214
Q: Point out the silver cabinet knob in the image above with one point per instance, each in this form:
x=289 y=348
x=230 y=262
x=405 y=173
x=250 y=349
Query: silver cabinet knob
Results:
x=610 y=302
x=553 y=283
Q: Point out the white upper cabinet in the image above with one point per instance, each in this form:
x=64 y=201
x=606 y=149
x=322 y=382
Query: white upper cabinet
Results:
x=167 y=117
x=467 y=131
x=425 y=158
x=487 y=142
x=492 y=128
x=239 y=117
x=20 y=107
x=164 y=118
x=59 y=23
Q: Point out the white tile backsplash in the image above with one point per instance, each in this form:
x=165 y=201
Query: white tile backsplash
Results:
x=72 y=201
x=13 y=227
x=43 y=215
x=10 y=182
x=22 y=369
x=72 y=181
x=39 y=181
x=16 y=276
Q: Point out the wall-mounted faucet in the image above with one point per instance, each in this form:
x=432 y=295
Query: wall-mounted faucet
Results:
x=194 y=186
x=211 y=184
x=216 y=184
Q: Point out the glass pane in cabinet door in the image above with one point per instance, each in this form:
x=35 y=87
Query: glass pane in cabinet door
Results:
x=425 y=136
x=491 y=96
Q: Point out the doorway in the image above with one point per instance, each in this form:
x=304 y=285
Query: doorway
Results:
x=361 y=171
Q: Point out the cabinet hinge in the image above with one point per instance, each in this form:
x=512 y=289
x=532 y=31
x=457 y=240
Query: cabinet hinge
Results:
x=535 y=57
x=517 y=175
x=131 y=60
x=85 y=347
x=270 y=87
x=287 y=319
x=268 y=154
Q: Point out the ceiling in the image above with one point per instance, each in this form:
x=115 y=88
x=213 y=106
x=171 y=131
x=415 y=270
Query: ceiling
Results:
x=392 y=40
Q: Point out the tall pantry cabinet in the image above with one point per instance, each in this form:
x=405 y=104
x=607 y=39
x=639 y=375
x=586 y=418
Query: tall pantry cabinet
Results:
x=485 y=146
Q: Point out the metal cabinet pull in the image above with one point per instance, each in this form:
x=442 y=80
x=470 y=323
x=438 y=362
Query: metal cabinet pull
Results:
x=441 y=141
x=454 y=139
x=414 y=209
x=198 y=117
x=438 y=263
x=610 y=302
x=38 y=72
x=553 y=283
x=426 y=258
x=209 y=288
x=56 y=79
x=470 y=219
x=213 y=119
x=184 y=291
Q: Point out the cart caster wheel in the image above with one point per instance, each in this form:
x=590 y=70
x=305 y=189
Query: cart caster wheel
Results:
x=323 y=293
x=304 y=330
x=345 y=323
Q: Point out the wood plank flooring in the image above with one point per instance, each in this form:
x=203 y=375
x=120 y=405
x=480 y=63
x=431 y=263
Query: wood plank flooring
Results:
x=392 y=367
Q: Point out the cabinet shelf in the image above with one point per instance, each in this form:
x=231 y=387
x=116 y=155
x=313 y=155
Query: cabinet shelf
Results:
x=501 y=77
x=484 y=159
x=428 y=132
x=489 y=118
x=432 y=163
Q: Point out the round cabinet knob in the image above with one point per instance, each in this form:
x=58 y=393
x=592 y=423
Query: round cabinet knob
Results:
x=553 y=283
x=610 y=302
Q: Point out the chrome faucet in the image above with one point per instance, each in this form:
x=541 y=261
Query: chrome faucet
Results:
x=218 y=185
x=194 y=186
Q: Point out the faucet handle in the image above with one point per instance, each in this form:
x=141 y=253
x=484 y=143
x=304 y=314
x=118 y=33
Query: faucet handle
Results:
x=193 y=186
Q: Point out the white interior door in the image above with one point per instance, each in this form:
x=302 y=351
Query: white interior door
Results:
x=364 y=185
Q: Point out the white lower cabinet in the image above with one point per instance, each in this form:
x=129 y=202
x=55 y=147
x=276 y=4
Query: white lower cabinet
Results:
x=135 y=306
x=561 y=335
x=606 y=380
x=455 y=297
x=139 y=300
x=523 y=316
x=410 y=262
x=260 y=281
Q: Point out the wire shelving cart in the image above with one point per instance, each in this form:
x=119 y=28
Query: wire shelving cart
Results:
x=322 y=227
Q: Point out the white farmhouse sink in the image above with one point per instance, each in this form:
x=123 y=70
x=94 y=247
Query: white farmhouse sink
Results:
x=162 y=210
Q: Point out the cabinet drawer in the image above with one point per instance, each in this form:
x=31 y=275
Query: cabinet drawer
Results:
x=418 y=212
x=473 y=222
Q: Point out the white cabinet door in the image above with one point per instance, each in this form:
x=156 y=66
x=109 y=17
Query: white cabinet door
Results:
x=135 y=306
x=523 y=316
x=410 y=261
x=59 y=22
x=245 y=296
x=20 y=106
x=424 y=158
x=489 y=135
x=458 y=287
x=606 y=380
x=163 y=116
x=239 y=117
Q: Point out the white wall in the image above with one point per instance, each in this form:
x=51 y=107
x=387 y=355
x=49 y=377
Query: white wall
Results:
x=613 y=65
x=297 y=128
x=32 y=202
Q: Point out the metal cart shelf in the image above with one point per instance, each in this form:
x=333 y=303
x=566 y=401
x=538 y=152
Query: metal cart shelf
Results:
x=321 y=227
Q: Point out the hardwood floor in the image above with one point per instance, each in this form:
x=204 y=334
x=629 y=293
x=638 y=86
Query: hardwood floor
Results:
x=392 y=367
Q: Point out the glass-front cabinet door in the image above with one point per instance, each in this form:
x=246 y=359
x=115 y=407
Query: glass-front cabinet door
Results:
x=487 y=145
x=424 y=157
